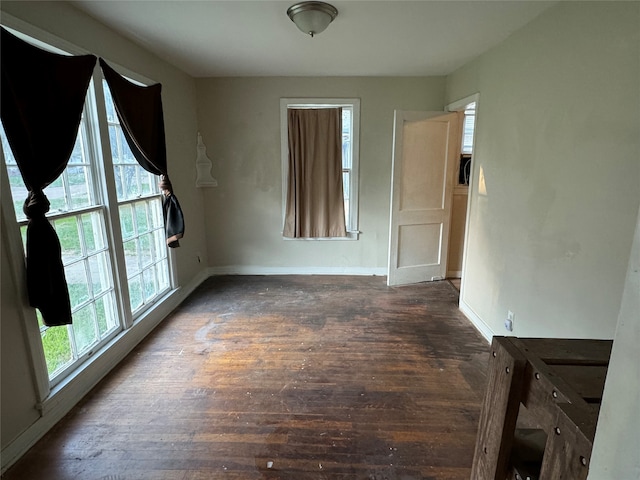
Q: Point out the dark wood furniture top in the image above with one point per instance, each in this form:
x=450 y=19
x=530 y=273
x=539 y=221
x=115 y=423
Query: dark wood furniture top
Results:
x=557 y=385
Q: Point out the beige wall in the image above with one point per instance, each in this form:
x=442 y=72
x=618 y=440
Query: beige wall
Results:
x=239 y=119
x=558 y=142
x=615 y=450
x=18 y=392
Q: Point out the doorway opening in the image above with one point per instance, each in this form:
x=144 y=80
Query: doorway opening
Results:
x=461 y=194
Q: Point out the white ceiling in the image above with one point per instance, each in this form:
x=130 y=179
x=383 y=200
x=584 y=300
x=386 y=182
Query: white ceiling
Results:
x=368 y=38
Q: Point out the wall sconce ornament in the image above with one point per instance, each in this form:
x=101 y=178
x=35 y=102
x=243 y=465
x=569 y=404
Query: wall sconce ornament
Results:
x=203 y=167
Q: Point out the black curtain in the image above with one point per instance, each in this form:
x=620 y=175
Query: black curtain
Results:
x=139 y=110
x=43 y=96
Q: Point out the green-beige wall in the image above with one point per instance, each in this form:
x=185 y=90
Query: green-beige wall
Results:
x=239 y=119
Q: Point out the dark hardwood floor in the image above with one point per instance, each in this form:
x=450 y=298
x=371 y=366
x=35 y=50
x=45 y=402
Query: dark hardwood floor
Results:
x=284 y=377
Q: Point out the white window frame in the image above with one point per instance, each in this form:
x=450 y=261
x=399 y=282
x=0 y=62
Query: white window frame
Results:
x=104 y=188
x=352 y=103
x=154 y=195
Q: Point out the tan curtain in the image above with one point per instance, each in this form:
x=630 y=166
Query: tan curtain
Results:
x=315 y=203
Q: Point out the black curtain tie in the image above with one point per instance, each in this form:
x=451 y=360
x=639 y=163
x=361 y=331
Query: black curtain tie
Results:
x=165 y=185
x=36 y=205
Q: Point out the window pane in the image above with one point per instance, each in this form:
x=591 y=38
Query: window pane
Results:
x=111 y=111
x=106 y=314
x=79 y=186
x=135 y=292
x=346 y=138
x=150 y=289
x=84 y=328
x=468 y=127
x=146 y=182
x=346 y=185
x=77 y=282
x=130 y=182
x=131 y=257
x=467 y=138
x=119 y=147
x=157 y=220
x=160 y=244
x=127 y=154
x=57 y=348
x=57 y=196
x=18 y=191
x=126 y=221
x=118 y=175
x=141 y=217
x=77 y=155
x=146 y=249
x=9 y=159
x=162 y=272
x=93 y=231
x=116 y=154
x=67 y=230
x=99 y=271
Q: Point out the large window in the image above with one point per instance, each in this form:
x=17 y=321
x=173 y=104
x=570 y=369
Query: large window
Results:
x=350 y=151
x=141 y=221
x=113 y=274
x=78 y=216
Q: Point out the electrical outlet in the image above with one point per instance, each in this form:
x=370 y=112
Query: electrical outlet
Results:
x=508 y=323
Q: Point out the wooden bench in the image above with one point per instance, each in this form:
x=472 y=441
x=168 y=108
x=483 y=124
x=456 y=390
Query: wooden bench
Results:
x=540 y=408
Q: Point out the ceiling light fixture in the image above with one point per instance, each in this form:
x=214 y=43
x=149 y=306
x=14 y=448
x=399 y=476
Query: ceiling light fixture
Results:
x=312 y=17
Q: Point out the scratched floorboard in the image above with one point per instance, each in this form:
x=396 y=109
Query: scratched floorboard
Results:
x=284 y=377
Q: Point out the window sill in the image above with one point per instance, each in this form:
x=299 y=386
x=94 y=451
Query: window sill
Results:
x=355 y=235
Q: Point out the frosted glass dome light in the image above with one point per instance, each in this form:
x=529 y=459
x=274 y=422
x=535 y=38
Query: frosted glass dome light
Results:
x=312 y=18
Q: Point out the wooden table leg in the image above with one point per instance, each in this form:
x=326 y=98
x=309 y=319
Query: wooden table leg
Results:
x=499 y=411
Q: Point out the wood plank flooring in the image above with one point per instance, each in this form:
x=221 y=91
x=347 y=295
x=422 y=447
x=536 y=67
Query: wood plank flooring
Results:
x=284 y=377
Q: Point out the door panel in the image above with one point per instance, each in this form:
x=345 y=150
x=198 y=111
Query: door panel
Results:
x=412 y=240
x=426 y=149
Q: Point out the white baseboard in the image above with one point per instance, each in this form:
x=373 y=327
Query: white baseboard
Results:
x=476 y=321
x=258 y=270
x=68 y=393
x=454 y=274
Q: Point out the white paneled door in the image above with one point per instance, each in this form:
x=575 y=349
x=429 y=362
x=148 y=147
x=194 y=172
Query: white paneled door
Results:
x=425 y=153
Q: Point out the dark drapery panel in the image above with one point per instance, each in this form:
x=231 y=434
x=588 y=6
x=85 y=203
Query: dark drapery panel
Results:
x=139 y=110
x=315 y=202
x=43 y=96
